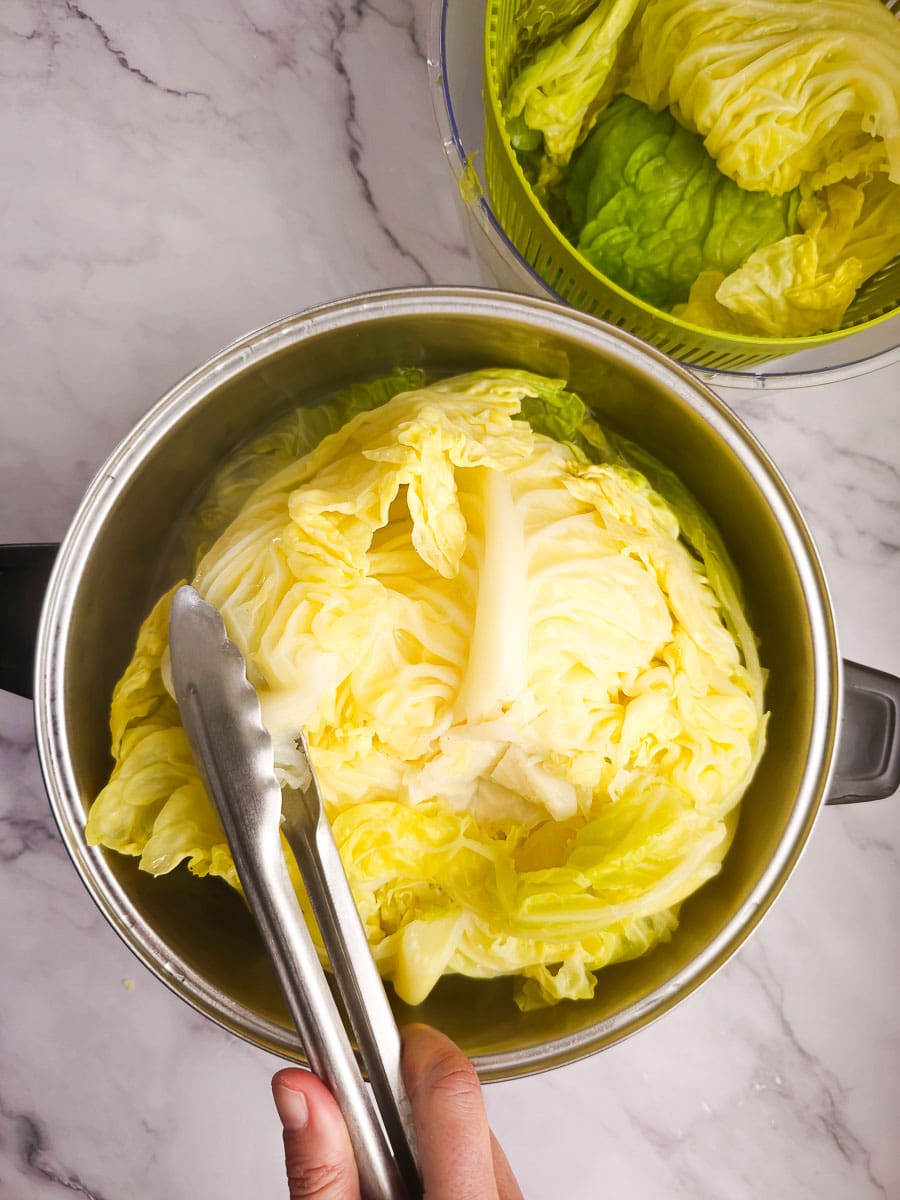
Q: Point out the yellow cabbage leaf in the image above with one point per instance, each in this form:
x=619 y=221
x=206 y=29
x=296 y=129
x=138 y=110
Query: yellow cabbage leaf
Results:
x=804 y=284
x=779 y=89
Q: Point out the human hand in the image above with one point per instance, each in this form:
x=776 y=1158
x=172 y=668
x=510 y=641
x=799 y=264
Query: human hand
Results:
x=461 y=1159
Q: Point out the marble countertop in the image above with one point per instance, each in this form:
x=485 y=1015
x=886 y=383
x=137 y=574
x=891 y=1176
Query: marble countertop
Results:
x=177 y=173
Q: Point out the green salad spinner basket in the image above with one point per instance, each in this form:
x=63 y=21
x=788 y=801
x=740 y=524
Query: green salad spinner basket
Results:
x=569 y=275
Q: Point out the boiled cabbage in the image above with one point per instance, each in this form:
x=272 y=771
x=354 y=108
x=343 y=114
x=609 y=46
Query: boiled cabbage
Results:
x=286 y=441
x=530 y=694
x=569 y=82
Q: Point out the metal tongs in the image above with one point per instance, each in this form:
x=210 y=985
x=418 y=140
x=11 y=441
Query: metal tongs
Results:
x=221 y=714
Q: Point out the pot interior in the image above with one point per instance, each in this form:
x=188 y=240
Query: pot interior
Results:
x=196 y=933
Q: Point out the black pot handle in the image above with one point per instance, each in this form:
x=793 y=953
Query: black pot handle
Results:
x=868 y=754
x=24 y=572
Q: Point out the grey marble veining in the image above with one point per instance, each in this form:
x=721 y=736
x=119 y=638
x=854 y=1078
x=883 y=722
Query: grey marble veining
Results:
x=173 y=175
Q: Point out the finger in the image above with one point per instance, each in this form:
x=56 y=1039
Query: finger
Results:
x=451 y=1124
x=317 y=1151
x=507 y=1184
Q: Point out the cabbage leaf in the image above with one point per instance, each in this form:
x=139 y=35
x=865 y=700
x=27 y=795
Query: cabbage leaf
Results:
x=779 y=89
x=805 y=283
x=567 y=83
x=654 y=211
x=284 y=442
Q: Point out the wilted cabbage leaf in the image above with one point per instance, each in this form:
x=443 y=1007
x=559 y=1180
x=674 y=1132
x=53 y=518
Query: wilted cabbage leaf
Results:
x=287 y=440
x=779 y=89
x=530 y=695
x=568 y=82
x=805 y=283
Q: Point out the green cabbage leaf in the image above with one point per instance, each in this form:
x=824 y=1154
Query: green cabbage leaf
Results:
x=518 y=654
x=653 y=211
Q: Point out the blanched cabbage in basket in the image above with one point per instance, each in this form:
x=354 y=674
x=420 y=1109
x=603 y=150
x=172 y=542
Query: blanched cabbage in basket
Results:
x=793 y=99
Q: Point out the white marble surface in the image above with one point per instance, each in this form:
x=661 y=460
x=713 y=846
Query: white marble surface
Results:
x=173 y=174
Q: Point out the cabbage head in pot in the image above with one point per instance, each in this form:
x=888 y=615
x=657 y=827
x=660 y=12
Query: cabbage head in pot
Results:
x=517 y=651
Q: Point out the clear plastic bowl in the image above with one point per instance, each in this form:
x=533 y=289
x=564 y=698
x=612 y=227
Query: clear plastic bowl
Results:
x=455 y=65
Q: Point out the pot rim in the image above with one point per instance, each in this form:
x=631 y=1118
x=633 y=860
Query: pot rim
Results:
x=87 y=526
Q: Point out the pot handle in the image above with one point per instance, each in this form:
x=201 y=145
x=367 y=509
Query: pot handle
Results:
x=868 y=755
x=24 y=572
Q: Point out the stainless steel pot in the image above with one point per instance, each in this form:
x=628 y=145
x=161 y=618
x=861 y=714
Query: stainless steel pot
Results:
x=196 y=934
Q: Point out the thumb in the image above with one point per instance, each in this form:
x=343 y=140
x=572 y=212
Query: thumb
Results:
x=317 y=1151
x=451 y=1122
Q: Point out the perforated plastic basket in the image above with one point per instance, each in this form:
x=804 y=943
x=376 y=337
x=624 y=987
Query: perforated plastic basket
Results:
x=572 y=277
